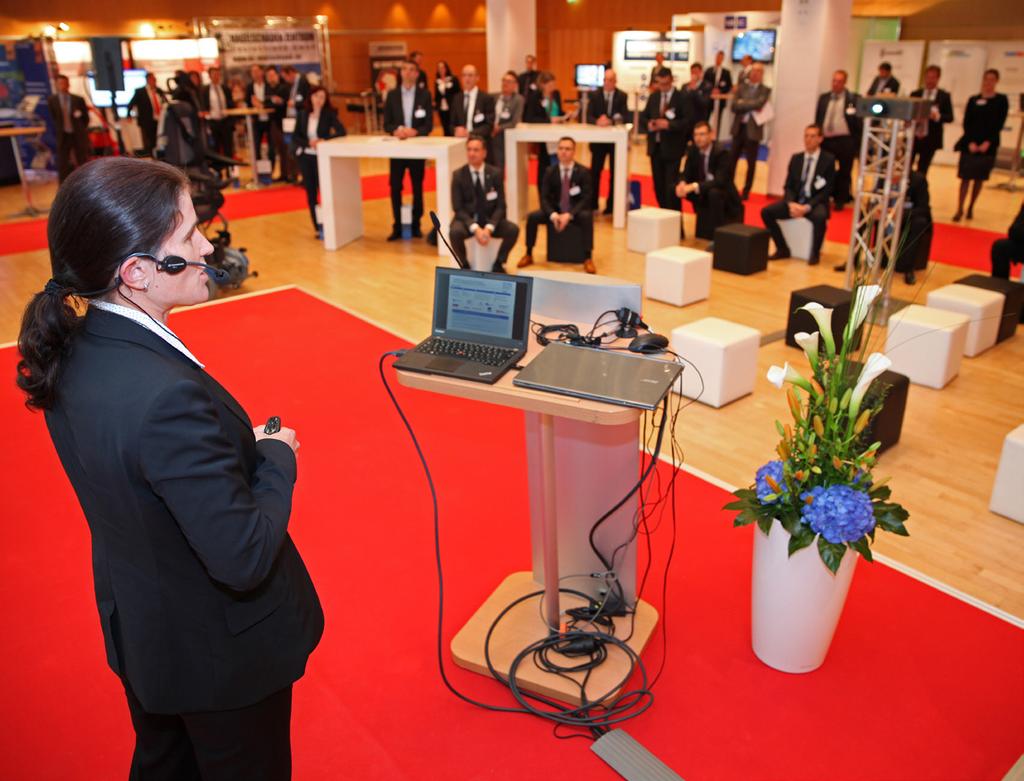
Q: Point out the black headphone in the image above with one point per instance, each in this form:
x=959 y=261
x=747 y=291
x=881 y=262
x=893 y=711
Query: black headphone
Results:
x=629 y=321
x=175 y=264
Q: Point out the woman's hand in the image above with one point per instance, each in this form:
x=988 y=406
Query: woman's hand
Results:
x=286 y=435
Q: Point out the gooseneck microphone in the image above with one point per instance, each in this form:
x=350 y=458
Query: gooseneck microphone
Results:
x=437 y=226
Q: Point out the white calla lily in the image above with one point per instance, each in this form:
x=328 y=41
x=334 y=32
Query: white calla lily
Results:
x=823 y=317
x=779 y=375
x=875 y=365
x=863 y=298
x=809 y=343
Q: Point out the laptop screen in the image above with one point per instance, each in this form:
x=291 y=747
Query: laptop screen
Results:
x=479 y=304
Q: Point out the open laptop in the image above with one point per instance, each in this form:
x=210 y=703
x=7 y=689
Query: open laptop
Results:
x=602 y=375
x=481 y=325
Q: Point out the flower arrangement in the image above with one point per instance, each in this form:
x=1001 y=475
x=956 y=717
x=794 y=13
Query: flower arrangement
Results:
x=821 y=487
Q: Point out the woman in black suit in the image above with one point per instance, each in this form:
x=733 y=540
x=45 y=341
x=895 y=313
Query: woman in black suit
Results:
x=317 y=124
x=983 y=122
x=446 y=89
x=207 y=611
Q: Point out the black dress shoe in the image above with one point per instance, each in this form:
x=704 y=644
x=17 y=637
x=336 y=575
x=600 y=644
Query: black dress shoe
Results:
x=839 y=267
x=416 y=232
x=778 y=255
x=910 y=278
x=395 y=236
x=813 y=261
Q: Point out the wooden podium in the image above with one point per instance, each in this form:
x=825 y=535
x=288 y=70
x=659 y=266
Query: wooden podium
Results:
x=583 y=457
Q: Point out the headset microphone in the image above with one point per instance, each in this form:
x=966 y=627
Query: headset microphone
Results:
x=175 y=264
x=437 y=226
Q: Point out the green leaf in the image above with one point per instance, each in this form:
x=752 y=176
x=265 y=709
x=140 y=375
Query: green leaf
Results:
x=765 y=524
x=882 y=492
x=790 y=524
x=780 y=429
x=739 y=504
x=803 y=537
x=831 y=553
x=743 y=520
x=862 y=547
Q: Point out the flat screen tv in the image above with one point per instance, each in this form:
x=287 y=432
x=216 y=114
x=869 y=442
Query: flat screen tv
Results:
x=590 y=76
x=759 y=44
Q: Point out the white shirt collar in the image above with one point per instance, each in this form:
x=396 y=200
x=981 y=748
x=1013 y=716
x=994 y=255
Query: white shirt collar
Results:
x=149 y=324
x=478 y=171
x=564 y=168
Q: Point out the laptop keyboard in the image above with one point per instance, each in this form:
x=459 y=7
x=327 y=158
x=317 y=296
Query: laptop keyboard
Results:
x=470 y=351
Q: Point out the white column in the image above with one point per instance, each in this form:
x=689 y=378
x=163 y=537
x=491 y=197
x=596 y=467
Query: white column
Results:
x=511 y=35
x=812 y=43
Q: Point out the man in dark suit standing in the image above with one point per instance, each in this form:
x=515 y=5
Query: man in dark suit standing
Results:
x=836 y=113
x=408 y=113
x=528 y=78
x=259 y=95
x=884 y=83
x=421 y=76
x=565 y=196
x=147 y=103
x=928 y=135
x=473 y=110
x=607 y=106
x=478 y=199
x=71 y=121
x=298 y=90
x=667 y=123
x=707 y=183
x=719 y=81
x=751 y=95
x=215 y=99
x=808 y=186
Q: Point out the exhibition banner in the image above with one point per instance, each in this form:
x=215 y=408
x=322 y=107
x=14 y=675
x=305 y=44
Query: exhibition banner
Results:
x=243 y=47
x=904 y=56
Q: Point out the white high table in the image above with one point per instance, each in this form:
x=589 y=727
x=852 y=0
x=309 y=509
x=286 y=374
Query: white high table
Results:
x=341 y=196
x=516 y=173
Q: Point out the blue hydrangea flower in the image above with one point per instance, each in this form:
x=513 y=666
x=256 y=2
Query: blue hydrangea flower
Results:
x=772 y=469
x=838 y=513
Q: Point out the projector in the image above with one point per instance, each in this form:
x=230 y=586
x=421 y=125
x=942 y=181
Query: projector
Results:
x=908 y=109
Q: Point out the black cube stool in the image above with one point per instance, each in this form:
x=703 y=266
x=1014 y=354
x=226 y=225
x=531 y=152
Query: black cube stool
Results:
x=835 y=298
x=566 y=246
x=886 y=426
x=1013 y=306
x=740 y=249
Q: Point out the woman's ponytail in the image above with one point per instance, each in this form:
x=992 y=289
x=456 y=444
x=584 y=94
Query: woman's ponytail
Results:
x=47 y=326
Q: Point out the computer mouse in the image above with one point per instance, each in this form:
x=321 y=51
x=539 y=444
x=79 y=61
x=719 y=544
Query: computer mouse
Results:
x=649 y=343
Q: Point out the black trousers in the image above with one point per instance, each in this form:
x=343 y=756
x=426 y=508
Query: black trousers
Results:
x=535 y=218
x=599 y=153
x=746 y=148
x=246 y=744
x=665 y=172
x=924 y=151
x=1005 y=251
x=773 y=212
x=505 y=230
x=845 y=149
x=710 y=210
x=148 y=132
x=223 y=133
x=415 y=169
x=543 y=163
x=261 y=132
x=72 y=151
x=287 y=170
x=311 y=183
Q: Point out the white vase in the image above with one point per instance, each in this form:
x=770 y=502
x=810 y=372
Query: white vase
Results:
x=796 y=602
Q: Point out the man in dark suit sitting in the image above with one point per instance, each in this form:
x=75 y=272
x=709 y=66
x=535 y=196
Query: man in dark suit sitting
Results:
x=478 y=199
x=707 y=183
x=837 y=114
x=809 y=184
x=565 y=196
x=667 y=122
x=147 y=103
x=607 y=106
x=928 y=135
x=473 y=110
x=70 y=118
x=884 y=83
x=408 y=112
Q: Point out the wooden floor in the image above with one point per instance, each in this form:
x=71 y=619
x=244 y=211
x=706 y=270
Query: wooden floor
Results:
x=942 y=470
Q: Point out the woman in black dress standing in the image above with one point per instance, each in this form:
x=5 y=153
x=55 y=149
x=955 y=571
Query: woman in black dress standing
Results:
x=446 y=90
x=319 y=123
x=983 y=121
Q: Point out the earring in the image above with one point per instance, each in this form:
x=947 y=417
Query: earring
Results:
x=145 y=288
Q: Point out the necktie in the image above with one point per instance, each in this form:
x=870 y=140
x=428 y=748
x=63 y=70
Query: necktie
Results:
x=608 y=103
x=481 y=202
x=703 y=166
x=565 y=205
x=465 y=109
x=805 y=181
x=664 y=102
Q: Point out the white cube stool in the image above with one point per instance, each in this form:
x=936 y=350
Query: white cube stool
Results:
x=1008 y=491
x=678 y=275
x=983 y=307
x=650 y=228
x=926 y=344
x=799 y=235
x=481 y=257
x=724 y=353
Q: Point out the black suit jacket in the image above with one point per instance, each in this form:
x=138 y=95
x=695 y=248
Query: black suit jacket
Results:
x=482 y=125
x=673 y=141
x=79 y=117
x=945 y=105
x=724 y=80
x=853 y=122
x=204 y=601
x=144 y=106
x=204 y=97
x=534 y=109
x=528 y=82
x=328 y=126
x=394 y=117
x=268 y=94
x=720 y=168
x=822 y=180
x=464 y=196
x=892 y=85
x=551 y=190
x=597 y=106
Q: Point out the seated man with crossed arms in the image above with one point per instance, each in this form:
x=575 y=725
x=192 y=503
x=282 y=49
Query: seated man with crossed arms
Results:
x=809 y=182
x=707 y=183
x=478 y=200
x=566 y=196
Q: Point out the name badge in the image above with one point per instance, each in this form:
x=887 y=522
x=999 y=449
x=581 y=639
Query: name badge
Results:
x=670 y=114
x=298 y=98
x=544 y=102
x=533 y=86
x=981 y=101
x=419 y=113
x=76 y=113
x=492 y=195
x=850 y=110
x=478 y=117
x=617 y=117
x=506 y=114
x=574 y=190
x=819 y=182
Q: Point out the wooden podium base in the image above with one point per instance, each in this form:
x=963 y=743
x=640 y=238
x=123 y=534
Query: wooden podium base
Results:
x=524 y=625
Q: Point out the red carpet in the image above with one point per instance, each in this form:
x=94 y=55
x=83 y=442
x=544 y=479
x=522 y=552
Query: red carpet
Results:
x=918 y=685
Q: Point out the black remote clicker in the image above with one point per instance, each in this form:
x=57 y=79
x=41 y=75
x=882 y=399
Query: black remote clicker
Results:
x=273 y=425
